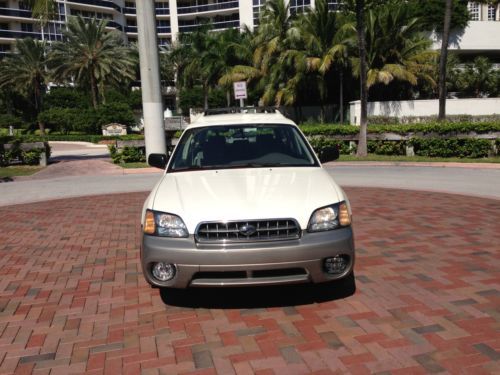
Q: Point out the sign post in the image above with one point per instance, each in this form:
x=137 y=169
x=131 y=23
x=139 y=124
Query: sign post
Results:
x=240 y=92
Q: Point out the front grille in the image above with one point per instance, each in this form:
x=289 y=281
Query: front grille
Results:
x=248 y=231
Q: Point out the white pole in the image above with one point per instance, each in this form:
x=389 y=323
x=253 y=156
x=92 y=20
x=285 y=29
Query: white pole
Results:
x=152 y=106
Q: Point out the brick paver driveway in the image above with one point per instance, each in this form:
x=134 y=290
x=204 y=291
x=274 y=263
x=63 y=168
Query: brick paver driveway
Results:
x=73 y=299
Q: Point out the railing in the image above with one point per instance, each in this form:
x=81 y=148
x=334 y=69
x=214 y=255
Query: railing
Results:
x=128 y=10
x=28 y=34
x=15 y=13
x=207 y=7
x=215 y=25
x=114 y=24
x=99 y=3
x=162 y=11
x=159 y=11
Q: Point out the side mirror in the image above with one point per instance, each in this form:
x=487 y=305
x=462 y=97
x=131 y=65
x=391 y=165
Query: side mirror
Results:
x=327 y=154
x=158 y=160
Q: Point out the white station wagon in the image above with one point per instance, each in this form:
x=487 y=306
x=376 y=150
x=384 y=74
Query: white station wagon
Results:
x=245 y=201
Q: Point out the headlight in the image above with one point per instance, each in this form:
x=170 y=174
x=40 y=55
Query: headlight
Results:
x=330 y=217
x=164 y=225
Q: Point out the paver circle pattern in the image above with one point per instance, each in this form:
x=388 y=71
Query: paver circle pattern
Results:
x=73 y=299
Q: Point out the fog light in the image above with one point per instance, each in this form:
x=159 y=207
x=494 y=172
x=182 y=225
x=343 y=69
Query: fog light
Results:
x=163 y=271
x=336 y=265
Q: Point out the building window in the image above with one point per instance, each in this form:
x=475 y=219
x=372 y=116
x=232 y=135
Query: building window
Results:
x=27 y=27
x=299 y=6
x=474 y=10
x=492 y=12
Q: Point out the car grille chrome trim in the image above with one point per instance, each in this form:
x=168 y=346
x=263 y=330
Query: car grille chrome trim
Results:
x=247 y=231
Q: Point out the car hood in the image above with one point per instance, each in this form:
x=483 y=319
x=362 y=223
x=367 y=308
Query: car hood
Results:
x=245 y=194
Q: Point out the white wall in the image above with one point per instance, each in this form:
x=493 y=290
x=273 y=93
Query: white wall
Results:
x=478 y=36
x=475 y=107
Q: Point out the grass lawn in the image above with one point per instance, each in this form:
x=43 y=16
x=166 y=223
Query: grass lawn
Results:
x=391 y=158
x=20 y=170
x=134 y=165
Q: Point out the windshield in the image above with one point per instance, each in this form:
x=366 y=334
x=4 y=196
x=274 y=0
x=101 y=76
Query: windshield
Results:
x=241 y=146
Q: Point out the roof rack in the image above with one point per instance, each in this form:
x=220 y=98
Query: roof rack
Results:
x=221 y=111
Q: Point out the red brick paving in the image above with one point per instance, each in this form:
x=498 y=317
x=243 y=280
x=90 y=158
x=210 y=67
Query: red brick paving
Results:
x=73 y=299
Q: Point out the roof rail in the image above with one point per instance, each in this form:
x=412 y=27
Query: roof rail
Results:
x=221 y=111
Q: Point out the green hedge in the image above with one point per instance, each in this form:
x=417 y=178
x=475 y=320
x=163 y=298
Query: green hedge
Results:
x=69 y=138
x=434 y=147
x=438 y=128
x=386 y=120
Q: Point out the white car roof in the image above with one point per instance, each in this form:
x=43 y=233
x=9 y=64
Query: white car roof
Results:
x=240 y=118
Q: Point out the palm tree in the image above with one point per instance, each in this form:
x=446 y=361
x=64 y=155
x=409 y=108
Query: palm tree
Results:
x=91 y=55
x=443 y=58
x=265 y=71
x=43 y=11
x=395 y=47
x=25 y=72
x=320 y=38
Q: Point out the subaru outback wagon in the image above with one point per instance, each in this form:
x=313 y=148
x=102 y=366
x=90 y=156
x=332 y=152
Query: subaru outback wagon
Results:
x=245 y=201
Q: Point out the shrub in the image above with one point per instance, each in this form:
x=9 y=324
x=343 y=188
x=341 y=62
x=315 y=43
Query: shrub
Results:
x=127 y=154
x=387 y=147
x=462 y=148
x=31 y=157
x=115 y=112
x=7 y=120
x=59 y=119
x=66 y=97
x=318 y=144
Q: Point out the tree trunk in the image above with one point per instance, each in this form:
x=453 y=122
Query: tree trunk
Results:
x=341 y=96
x=38 y=107
x=360 y=28
x=443 y=59
x=205 y=96
x=94 y=89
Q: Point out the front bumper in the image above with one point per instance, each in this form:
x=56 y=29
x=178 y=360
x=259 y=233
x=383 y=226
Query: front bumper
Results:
x=247 y=264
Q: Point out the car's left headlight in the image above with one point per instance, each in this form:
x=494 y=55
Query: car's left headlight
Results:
x=164 y=225
x=330 y=217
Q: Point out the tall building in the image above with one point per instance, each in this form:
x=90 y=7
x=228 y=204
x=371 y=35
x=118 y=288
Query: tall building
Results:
x=174 y=16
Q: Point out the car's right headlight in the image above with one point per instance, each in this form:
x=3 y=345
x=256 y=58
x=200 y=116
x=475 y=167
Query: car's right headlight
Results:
x=330 y=217
x=164 y=225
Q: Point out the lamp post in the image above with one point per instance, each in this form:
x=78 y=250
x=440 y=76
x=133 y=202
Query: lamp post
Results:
x=152 y=105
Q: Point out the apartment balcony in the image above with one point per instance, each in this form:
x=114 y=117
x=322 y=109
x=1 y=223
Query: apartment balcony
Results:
x=9 y=14
x=96 y=4
x=215 y=7
x=128 y=11
x=12 y=35
x=479 y=37
x=159 y=30
x=216 y=26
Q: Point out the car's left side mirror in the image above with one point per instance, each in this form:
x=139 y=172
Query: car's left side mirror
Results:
x=158 y=160
x=329 y=153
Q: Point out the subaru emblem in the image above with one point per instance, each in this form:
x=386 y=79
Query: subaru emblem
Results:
x=247 y=229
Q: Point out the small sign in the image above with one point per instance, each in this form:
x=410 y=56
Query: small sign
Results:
x=114 y=130
x=240 y=90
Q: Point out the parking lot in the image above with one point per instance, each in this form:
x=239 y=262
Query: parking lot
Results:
x=73 y=298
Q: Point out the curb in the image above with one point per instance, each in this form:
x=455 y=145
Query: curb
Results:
x=361 y=164
x=412 y=164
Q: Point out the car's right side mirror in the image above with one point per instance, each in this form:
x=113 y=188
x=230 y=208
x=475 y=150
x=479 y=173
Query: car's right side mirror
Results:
x=158 y=160
x=329 y=153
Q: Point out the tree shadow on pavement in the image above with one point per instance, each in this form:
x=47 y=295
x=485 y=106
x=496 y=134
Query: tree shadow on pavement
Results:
x=259 y=297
